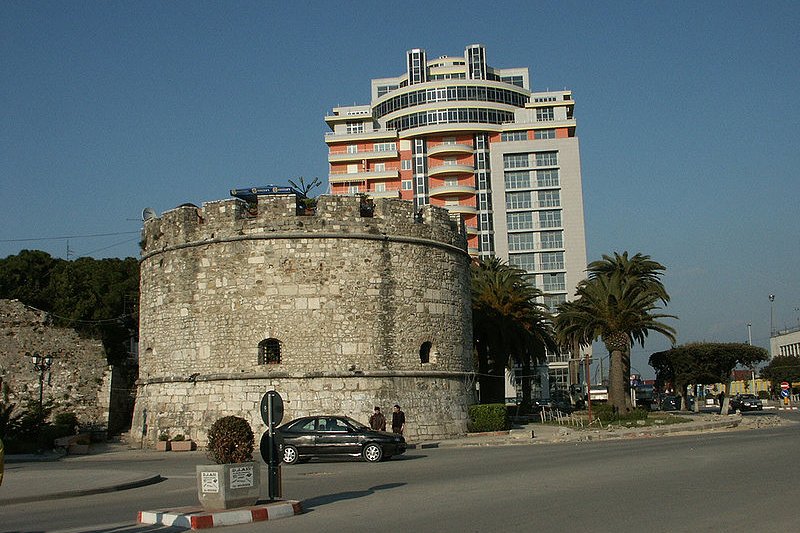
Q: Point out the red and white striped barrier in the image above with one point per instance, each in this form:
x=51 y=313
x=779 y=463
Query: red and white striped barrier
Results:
x=197 y=518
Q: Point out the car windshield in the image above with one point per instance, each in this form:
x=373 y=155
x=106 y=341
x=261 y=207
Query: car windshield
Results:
x=356 y=424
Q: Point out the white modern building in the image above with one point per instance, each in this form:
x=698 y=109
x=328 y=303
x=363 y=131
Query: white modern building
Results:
x=475 y=139
x=785 y=342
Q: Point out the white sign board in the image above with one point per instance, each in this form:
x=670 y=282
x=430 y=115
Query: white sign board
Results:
x=241 y=477
x=209 y=483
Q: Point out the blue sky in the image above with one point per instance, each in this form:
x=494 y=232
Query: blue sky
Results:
x=687 y=117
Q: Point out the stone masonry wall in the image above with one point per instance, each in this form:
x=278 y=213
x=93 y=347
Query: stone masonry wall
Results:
x=353 y=300
x=79 y=376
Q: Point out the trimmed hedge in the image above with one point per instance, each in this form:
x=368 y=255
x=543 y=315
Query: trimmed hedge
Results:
x=488 y=417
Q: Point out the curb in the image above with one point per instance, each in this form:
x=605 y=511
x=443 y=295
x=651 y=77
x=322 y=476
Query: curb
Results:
x=195 y=517
x=84 y=492
x=422 y=445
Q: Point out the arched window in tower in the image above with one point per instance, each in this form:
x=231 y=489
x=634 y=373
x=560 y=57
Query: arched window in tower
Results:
x=269 y=352
x=425 y=352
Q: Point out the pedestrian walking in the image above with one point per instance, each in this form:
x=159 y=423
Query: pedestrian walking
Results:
x=377 y=421
x=398 y=420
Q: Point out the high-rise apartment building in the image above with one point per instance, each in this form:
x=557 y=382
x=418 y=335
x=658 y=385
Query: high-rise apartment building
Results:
x=458 y=133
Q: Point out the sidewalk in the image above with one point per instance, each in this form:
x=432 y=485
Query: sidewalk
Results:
x=550 y=433
x=32 y=478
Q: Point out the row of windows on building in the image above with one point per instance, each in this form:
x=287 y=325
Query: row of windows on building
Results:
x=377 y=147
x=533 y=262
x=531 y=220
x=460 y=93
x=522 y=135
x=789 y=349
x=449 y=116
x=548 y=240
x=527 y=160
x=533 y=199
x=529 y=179
x=269 y=352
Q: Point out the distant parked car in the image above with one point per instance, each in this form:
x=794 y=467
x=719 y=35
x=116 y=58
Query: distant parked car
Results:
x=670 y=403
x=746 y=402
x=327 y=436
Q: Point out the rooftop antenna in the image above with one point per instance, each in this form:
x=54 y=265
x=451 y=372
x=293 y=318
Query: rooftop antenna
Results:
x=148 y=213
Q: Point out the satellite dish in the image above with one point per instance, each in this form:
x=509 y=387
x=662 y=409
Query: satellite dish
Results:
x=148 y=213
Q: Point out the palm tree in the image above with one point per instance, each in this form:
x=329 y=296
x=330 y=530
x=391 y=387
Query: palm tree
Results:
x=304 y=187
x=617 y=304
x=508 y=324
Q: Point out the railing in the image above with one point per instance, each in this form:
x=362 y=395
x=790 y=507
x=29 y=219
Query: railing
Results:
x=386 y=132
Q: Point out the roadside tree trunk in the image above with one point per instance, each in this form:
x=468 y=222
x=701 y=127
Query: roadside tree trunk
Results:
x=726 y=402
x=617 y=391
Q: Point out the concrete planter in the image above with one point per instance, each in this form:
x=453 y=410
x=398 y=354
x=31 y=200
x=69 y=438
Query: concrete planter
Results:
x=228 y=486
x=163 y=446
x=182 y=445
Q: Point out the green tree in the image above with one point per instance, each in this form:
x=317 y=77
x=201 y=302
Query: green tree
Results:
x=26 y=277
x=704 y=363
x=508 y=324
x=782 y=368
x=98 y=298
x=617 y=304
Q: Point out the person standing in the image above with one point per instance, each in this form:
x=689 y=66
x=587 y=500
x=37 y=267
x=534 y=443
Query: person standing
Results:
x=398 y=420
x=377 y=421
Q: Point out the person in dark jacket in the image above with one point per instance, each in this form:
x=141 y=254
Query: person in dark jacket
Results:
x=398 y=420
x=377 y=421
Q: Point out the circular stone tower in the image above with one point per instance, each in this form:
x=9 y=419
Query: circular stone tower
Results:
x=354 y=305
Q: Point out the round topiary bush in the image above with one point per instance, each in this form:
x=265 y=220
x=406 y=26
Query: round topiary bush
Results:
x=230 y=440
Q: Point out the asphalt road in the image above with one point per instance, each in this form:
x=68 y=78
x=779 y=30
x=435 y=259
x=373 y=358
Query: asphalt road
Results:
x=737 y=481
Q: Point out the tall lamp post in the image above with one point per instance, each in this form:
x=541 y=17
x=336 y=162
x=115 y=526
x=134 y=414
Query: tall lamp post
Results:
x=771 y=309
x=41 y=364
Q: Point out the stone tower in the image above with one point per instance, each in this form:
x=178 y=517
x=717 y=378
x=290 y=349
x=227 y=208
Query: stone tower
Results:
x=353 y=305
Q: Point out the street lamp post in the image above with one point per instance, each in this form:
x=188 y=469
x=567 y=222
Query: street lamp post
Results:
x=752 y=370
x=771 y=314
x=41 y=364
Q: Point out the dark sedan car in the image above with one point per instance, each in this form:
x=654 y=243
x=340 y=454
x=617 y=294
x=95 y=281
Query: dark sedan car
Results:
x=322 y=436
x=746 y=402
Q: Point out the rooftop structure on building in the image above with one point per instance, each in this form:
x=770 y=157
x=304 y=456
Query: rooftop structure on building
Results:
x=458 y=133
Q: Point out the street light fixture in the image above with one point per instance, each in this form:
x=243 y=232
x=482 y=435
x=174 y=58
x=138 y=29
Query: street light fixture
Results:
x=771 y=309
x=41 y=364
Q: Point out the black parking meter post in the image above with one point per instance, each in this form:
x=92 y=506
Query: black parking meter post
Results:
x=272 y=414
x=273 y=468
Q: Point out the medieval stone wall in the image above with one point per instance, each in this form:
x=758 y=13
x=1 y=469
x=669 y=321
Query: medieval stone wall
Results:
x=79 y=379
x=370 y=306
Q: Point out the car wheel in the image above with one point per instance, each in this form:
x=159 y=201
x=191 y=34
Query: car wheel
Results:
x=372 y=453
x=290 y=455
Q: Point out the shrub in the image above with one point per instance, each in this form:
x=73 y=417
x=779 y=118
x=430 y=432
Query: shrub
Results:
x=230 y=440
x=606 y=413
x=64 y=424
x=163 y=437
x=603 y=411
x=179 y=437
x=488 y=417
